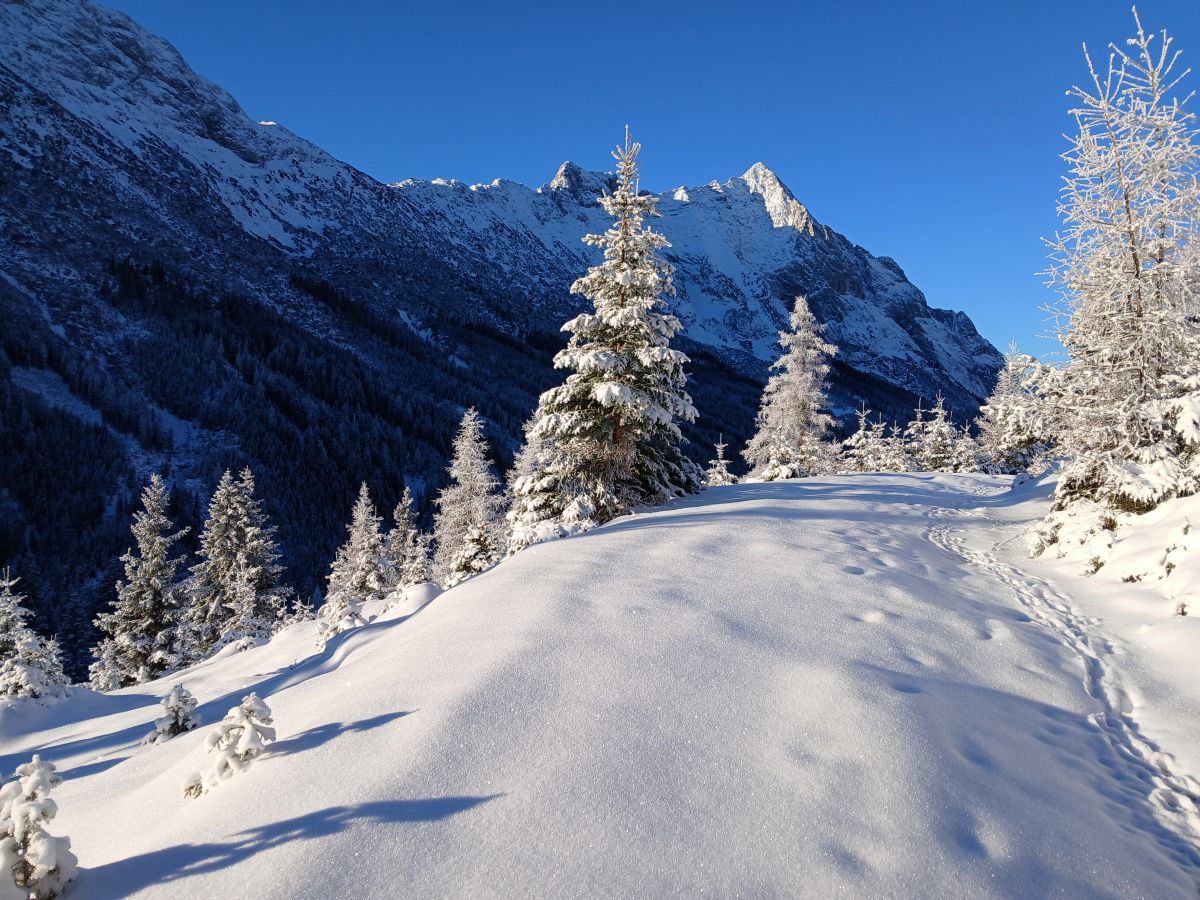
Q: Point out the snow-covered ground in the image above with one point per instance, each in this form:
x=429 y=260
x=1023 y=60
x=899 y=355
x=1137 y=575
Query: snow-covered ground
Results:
x=845 y=686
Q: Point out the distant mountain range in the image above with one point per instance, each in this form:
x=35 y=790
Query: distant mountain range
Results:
x=187 y=289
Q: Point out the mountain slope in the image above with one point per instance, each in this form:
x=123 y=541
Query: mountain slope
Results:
x=186 y=289
x=794 y=688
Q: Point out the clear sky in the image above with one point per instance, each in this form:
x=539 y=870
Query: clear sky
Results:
x=925 y=131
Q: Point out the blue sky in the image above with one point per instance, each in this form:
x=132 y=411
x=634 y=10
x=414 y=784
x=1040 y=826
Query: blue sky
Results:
x=929 y=132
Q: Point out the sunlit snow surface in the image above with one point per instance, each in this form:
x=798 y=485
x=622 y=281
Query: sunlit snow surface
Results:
x=847 y=686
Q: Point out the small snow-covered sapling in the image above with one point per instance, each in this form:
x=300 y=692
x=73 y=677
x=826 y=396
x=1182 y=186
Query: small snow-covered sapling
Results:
x=34 y=865
x=179 y=715
x=237 y=740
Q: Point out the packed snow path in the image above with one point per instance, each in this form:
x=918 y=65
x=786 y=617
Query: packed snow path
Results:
x=820 y=687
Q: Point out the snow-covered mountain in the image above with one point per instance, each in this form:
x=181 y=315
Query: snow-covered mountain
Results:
x=186 y=288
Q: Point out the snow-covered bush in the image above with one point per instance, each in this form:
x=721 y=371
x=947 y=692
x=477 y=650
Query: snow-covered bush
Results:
x=236 y=742
x=793 y=423
x=179 y=716
x=34 y=865
x=30 y=666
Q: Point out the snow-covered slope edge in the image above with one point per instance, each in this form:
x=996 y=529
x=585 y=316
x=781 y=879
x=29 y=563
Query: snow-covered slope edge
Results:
x=803 y=687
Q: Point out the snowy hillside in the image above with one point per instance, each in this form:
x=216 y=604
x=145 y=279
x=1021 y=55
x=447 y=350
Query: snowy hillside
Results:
x=852 y=685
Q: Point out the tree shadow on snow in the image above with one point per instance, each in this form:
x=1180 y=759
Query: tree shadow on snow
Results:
x=123 y=877
x=315 y=737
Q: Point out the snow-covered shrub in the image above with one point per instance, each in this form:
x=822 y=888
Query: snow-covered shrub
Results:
x=236 y=741
x=34 y=865
x=793 y=422
x=179 y=716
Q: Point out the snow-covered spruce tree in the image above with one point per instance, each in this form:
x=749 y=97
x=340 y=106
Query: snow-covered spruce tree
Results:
x=613 y=424
x=965 y=456
x=236 y=741
x=357 y=575
x=1014 y=435
x=718 y=468
x=1127 y=266
x=894 y=456
x=931 y=441
x=234 y=594
x=143 y=626
x=793 y=426
x=34 y=865
x=535 y=491
x=179 y=716
x=405 y=552
x=468 y=527
x=29 y=665
x=857 y=455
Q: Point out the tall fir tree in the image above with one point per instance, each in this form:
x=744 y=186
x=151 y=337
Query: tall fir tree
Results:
x=143 y=626
x=792 y=428
x=468 y=527
x=358 y=574
x=234 y=593
x=405 y=549
x=612 y=426
x=1127 y=266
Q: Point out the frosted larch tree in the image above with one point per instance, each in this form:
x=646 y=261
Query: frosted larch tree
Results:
x=793 y=423
x=1127 y=267
x=468 y=527
x=143 y=626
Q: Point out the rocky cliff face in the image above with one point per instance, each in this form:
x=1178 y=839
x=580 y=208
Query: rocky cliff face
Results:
x=186 y=288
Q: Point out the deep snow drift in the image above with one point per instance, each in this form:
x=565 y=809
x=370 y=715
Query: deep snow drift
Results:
x=849 y=685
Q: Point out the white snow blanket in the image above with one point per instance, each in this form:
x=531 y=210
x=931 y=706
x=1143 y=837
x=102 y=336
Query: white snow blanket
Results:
x=845 y=686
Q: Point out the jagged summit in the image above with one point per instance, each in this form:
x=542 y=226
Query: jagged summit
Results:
x=583 y=184
x=785 y=210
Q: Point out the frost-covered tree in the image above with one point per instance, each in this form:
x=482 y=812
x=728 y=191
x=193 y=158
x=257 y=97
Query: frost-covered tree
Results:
x=1127 y=266
x=858 y=454
x=143 y=626
x=468 y=526
x=236 y=742
x=234 y=593
x=613 y=424
x=405 y=549
x=179 y=716
x=536 y=496
x=965 y=456
x=358 y=574
x=894 y=455
x=931 y=442
x=34 y=865
x=30 y=666
x=793 y=425
x=1014 y=435
x=718 y=468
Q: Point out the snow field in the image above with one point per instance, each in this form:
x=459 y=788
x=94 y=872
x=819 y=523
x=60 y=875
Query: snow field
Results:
x=821 y=687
